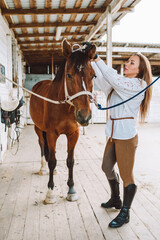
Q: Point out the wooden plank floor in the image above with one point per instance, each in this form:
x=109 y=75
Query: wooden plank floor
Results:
x=23 y=216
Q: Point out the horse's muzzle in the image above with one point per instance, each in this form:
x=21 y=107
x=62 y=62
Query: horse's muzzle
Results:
x=83 y=117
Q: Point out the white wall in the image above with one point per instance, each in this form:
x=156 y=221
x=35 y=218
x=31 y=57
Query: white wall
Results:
x=6 y=40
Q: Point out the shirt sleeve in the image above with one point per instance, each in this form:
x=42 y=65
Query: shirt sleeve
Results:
x=100 y=80
x=125 y=87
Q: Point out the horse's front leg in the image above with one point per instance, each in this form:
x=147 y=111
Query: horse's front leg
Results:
x=72 y=140
x=51 y=140
x=43 y=146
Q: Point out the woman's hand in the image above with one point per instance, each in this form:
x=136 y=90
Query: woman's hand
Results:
x=89 y=45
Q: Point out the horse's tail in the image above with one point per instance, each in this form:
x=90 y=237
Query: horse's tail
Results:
x=46 y=150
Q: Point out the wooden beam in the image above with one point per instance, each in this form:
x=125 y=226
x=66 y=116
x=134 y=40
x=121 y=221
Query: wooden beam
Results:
x=29 y=52
x=50 y=24
x=126 y=9
x=109 y=38
x=46 y=11
x=43 y=53
x=58 y=33
x=40 y=42
x=65 y=34
x=37 y=47
x=49 y=41
x=116 y=5
x=33 y=5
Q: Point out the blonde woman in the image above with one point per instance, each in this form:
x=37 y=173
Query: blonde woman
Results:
x=121 y=127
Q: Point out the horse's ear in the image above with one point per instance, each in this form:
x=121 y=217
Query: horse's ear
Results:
x=92 y=51
x=66 y=48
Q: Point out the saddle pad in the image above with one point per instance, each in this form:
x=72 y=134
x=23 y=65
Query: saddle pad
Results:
x=9 y=105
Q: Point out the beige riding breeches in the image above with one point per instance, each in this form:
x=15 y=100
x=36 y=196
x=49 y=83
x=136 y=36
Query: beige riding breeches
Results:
x=121 y=152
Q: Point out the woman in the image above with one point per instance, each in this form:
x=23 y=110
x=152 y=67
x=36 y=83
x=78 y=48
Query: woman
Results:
x=121 y=126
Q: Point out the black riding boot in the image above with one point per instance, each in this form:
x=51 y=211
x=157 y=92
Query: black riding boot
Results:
x=115 y=200
x=123 y=216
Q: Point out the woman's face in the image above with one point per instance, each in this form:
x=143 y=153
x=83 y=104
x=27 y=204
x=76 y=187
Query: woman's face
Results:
x=131 y=68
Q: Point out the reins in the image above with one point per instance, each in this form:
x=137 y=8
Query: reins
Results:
x=67 y=99
x=30 y=92
x=70 y=98
x=127 y=100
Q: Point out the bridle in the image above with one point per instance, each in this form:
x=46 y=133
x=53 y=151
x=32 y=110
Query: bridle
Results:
x=68 y=98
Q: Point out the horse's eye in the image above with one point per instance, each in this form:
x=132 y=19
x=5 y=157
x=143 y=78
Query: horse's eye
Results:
x=94 y=76
x=69 y=75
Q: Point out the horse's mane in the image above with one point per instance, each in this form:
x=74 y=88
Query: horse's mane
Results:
x=60 y=72
x=78 y=58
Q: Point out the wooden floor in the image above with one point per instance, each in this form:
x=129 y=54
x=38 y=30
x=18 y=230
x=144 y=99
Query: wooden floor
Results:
x=23 y=215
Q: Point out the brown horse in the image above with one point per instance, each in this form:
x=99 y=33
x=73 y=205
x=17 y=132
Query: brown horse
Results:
x=74 y=78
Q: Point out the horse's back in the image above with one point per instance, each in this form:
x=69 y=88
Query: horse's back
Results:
x=42 y=87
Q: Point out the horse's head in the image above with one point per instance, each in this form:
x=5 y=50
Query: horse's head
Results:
x=78 y=76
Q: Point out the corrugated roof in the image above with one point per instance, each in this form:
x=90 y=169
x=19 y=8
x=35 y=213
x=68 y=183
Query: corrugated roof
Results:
x=40 y=25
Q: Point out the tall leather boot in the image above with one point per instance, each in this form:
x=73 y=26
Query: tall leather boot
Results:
x=123 y=216
x=115 y=200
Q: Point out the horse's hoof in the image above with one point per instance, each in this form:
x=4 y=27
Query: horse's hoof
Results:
x=50 y=199
x=42 y=172
x=72 y=197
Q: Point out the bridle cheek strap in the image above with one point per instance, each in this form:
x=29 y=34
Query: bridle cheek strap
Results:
x=68 y=98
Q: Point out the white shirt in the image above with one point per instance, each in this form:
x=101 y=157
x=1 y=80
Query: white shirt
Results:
x=107 y=79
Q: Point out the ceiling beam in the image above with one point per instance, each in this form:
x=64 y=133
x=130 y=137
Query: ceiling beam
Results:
x=116 y=5
x=58 y=33
x=48 y=41
x=46 y=11
x=37 y=47
x=42 y=52
x=65 y=34
x=126 y=9
x=50 y=24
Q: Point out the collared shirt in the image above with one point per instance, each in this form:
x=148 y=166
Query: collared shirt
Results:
x=123 y=88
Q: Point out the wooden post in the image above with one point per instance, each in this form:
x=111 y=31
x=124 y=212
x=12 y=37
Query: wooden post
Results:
x=109 y=37
x=122 y=68
x=9 y=59
x=109 y=47
x=14 y=57
x=52 y=68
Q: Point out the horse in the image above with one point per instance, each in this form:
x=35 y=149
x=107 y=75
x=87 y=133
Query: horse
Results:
x=70 y=91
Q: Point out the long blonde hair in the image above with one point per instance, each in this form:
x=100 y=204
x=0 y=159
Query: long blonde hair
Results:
x=145 y=73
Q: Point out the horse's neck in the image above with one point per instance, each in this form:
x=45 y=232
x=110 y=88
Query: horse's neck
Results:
x=58 y=89
x=58 y=83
